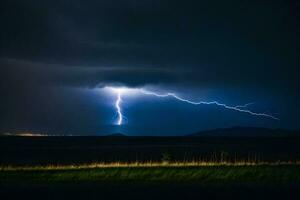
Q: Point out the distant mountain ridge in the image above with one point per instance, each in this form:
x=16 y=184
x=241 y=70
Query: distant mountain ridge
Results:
x=247 y=132
x=116 y=135
x=220 y=132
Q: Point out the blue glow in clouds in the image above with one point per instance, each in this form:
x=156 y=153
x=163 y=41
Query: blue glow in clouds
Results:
x=131 y=91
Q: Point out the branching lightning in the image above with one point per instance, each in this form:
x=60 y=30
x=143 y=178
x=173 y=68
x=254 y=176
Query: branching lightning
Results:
x=121 y=91
x=244 y=106
x=236 y=108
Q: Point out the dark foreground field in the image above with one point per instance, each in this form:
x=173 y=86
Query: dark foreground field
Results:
x=77 y=150
x=233 y=182
x=66 y=168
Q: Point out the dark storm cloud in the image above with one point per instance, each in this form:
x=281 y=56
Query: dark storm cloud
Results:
x=34 y=74
x=40 y=74
x=206 y=44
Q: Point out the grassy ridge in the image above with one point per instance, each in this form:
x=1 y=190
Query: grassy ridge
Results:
x=145 y=164
x=206 y=175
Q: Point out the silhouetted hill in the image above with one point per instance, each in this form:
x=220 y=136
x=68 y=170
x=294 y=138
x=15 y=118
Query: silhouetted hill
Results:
x=116 y=135
x=247 y=132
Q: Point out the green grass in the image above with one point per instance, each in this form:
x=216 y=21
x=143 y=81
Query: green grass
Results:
x=203 y=175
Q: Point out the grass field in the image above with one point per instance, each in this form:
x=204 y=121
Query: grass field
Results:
x=32 y=151
x=165 y=181
x=213 y=174
x=120 y=168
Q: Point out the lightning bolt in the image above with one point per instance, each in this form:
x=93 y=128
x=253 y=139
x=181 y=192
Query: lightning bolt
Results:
x=238 y=108
x=235 y=108
x=118 y=107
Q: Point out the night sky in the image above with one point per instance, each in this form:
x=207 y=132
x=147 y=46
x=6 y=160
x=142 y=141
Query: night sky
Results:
x=57 y=56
